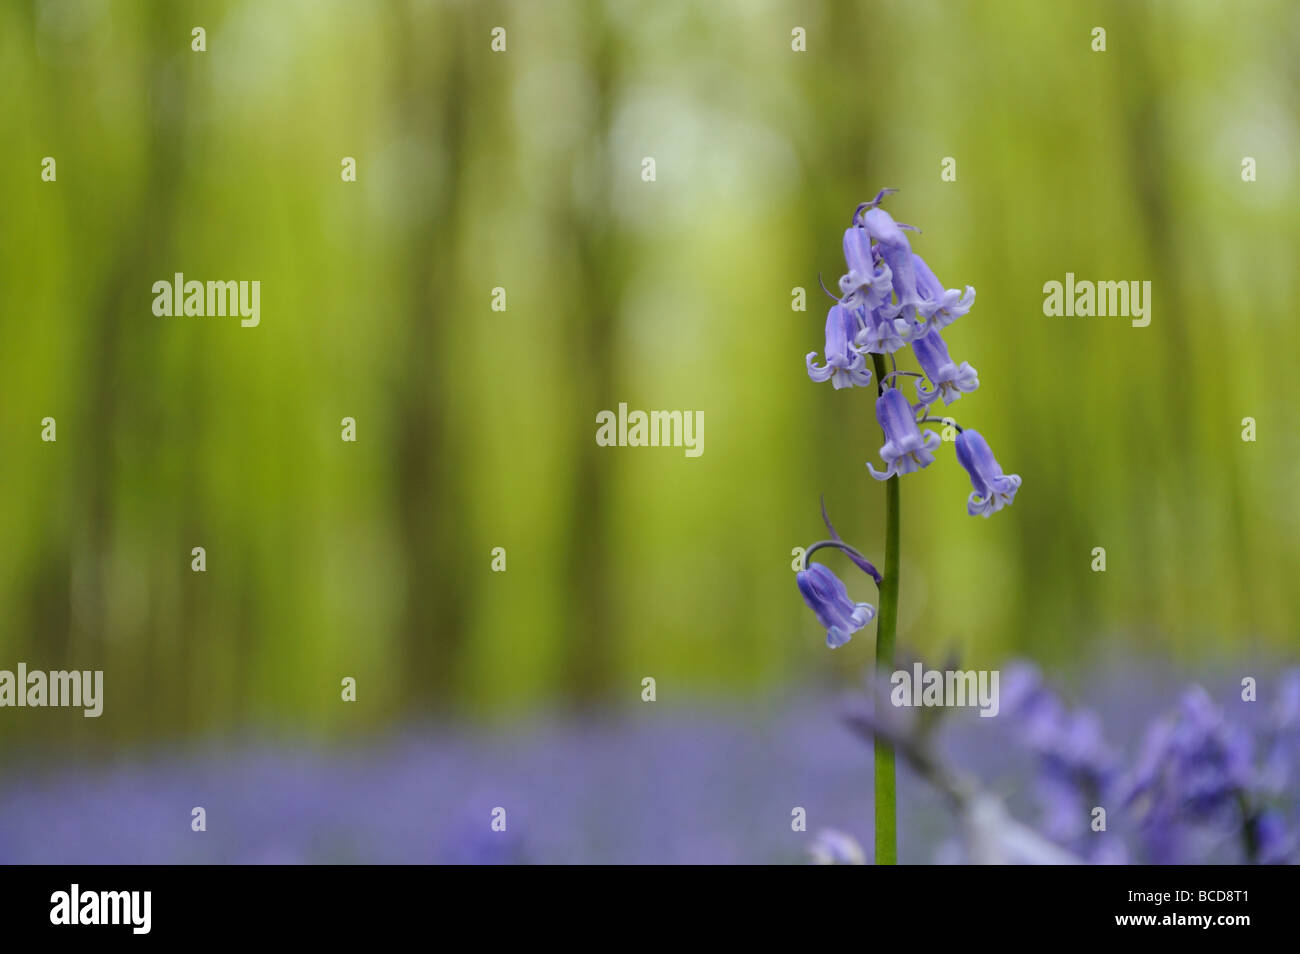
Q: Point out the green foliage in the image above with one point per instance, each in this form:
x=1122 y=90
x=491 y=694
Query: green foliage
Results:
x=476 y=428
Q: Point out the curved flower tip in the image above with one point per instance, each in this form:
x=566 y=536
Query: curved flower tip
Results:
x=832 y=847
x=871 y=203
x=993 y=489
x=828 y=597
x=906 y=448
x=861 y=562
x=844 y=367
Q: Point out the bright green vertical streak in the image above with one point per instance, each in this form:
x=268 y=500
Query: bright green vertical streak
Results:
x=886 y=622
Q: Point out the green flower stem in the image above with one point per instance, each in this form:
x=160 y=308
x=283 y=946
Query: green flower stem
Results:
x=886 y=623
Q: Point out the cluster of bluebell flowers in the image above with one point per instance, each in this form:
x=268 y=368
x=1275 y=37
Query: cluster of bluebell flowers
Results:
x=889 y=300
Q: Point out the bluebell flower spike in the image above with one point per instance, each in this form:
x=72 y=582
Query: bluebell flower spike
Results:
x=890 y=299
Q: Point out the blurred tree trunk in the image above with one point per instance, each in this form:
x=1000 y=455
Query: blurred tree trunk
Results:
x=115 y=364
x=590 y=641
x=434 y=89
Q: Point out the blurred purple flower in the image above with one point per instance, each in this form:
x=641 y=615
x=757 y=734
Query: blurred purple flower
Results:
x=1077 y=769
x=832 y=847
x=1194 y=762
x=1281 y=743
x=1196 y=768
x=1273 y=843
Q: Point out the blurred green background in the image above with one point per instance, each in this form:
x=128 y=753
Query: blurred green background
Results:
x=476 y=428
